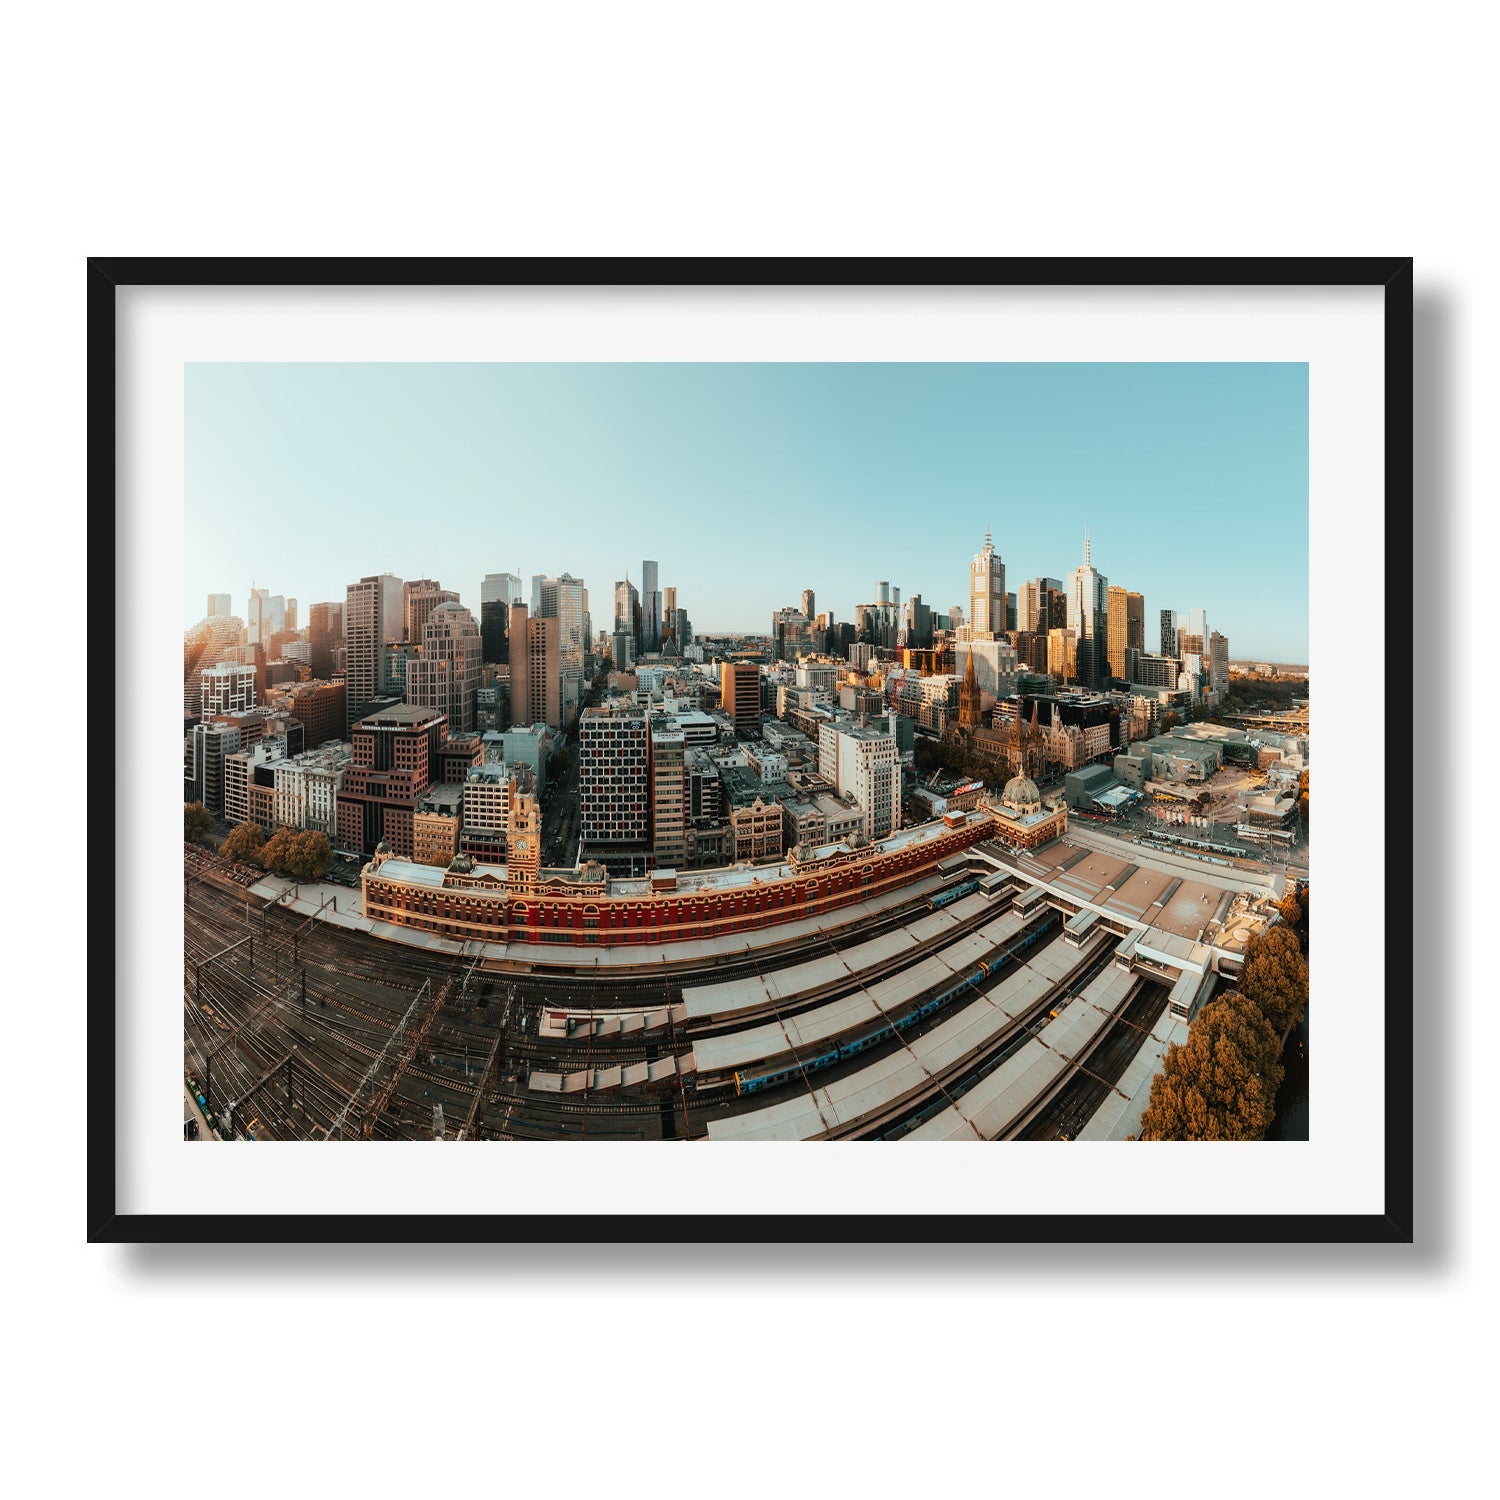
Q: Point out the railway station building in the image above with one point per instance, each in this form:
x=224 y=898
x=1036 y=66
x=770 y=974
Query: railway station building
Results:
x=518 y=902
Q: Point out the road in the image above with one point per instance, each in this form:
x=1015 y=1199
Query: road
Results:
x=560 y=813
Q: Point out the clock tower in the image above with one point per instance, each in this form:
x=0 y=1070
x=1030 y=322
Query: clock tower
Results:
x=523 y=843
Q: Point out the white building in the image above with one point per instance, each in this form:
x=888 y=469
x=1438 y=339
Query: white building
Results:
x=864 y=764
x=226 y=690
x=306 y=787
x=486 y=798
x=820 y=676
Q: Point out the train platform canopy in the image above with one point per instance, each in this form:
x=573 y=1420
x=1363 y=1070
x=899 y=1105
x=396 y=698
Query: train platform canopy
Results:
x=807 y=1034
x=866 y=1096
x=779 y=987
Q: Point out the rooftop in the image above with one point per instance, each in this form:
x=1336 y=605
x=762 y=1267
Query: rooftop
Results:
x=402 y=716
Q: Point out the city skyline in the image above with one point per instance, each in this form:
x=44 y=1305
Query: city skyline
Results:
x=828 y=473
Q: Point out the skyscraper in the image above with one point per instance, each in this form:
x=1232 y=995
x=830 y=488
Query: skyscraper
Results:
x=419 y=598
x=987 y=590
x=1218 y=664
x=364 y=636
x=566 y=600
x=1088 y=618
x=497 y=593
x=1127 y=628
x=265 y=614
x=321 y=634
x=627 y=609
x=392 y=591
x=1117 y=631
x=1135 y=621
x=614 y=792
x=1169 y=632
x=446 y=677
x=218 y=604
x=808 y=607
x=535 y=670
x=650 y=608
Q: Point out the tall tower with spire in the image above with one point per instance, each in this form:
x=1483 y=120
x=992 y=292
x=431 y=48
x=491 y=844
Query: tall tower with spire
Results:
x=987 y=592
x=1088 y=617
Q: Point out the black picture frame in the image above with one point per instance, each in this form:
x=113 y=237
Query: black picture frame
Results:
x=106 y=276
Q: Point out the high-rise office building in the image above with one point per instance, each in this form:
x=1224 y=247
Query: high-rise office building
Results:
x=650 y=608
x=211 y=743
x=535 y=670
x=446 y=676
x=918 y=622
x=1088 y=618
x=567 y=600
x=218 y=604
x=883 y=591
x=364 y=637
x=535 y=600
x=419 y=598
x=1169 y=632
x=614 y=797
x=668 y=793
x=289 y=618
x=1218 y=664
x=395 y=754
x=1117 y=631
x=392 y=597
x=987 y=590
x=740 y=688
x=497 y=593
x=808 y=607
x=1127 y=627
x=323 y=709
x=628 y=610
x=865 y=764
x=325 y=626
x=265 y=615
x=226 y=689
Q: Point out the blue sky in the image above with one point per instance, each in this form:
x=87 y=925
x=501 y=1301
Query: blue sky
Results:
x=751 y=482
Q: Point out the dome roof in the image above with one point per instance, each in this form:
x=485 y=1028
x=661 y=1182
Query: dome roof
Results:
x=1020 y=791
x=382 y=847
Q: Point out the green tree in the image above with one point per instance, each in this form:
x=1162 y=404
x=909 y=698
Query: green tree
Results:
x=1275 y=976
x=244 y=844
x=1169 y=720
x=196 y=822
x=1302 y=797
x=1220 y=1085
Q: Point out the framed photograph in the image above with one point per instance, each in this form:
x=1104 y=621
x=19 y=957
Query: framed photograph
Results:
x=744 y=732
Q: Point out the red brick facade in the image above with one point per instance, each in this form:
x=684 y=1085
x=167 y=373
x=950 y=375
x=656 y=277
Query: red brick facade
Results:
x=567 y=909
